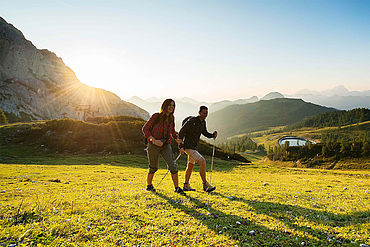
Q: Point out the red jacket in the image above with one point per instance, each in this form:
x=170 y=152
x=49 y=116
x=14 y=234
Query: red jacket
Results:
x=161 y=130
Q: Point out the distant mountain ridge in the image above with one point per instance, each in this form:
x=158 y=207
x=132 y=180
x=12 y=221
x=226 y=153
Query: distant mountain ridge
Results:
x=36 y=84
x=339 y=90
x=338 y=97
x=240 y=119
x=186 y=106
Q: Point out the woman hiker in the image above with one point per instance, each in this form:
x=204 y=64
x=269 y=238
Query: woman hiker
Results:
x=158 y=131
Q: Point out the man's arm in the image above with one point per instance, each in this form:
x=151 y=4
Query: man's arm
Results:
x=206 y=133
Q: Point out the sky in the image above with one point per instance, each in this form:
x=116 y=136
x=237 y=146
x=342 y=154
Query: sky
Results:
x=208 y=50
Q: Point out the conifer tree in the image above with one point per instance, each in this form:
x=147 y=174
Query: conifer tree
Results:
x=3 y=119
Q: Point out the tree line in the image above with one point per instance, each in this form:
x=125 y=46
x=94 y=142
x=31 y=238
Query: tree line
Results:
x=103 y=135
x=334 y=119
x=321 y=151
x=3 y=119
x=241 y=144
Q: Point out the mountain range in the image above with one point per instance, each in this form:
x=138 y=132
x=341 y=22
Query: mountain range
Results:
x=338 y=97
x=36 y=84
x=240 y=119
x=186 y=106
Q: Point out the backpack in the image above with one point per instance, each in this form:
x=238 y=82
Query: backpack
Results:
x=185 y=120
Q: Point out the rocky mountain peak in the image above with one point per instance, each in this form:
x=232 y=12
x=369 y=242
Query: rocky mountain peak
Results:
x=36 y=84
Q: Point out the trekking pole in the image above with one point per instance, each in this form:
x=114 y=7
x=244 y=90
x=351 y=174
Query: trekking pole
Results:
x=213 y=155
x=168 y=171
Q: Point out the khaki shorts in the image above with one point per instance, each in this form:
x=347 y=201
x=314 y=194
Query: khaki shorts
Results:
x=193 y=155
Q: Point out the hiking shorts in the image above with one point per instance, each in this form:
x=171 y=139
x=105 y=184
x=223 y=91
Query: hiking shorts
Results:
x=193 y=155
x=165 y=151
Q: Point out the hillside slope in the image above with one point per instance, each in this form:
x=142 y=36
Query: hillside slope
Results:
x=102 y=136
x=260 y=115
x=336 y=118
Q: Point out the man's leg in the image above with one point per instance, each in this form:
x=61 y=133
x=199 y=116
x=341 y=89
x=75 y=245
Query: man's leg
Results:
x=202 y=169
x=149 y=178
x=189 y=170
x=193 y=157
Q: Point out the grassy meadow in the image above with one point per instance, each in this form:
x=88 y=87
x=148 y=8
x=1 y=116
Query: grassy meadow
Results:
x=87 y=200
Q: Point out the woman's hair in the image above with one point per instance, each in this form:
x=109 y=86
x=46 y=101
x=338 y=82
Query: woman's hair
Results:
x=162 y=113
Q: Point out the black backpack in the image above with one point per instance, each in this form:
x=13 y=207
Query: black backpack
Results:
x=185 y=120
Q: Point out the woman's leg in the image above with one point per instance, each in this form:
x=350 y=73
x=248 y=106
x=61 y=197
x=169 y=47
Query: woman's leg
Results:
x=167 y=155
x=153 y=155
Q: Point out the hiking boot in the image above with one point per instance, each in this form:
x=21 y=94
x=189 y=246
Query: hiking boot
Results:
x=207 y=187
x=187 y=187
x=150 y=188
x=180 y=191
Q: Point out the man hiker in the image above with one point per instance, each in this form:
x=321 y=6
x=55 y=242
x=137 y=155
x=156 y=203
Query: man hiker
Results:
x=190 y=134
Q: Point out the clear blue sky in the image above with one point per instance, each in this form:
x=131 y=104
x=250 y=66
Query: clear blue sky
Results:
x=208 y=50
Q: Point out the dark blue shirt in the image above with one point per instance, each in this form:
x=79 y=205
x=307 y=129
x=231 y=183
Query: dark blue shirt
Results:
x=191 y=131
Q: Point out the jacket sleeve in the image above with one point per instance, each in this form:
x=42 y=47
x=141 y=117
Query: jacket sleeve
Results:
x=206 y=133
x=148 y=125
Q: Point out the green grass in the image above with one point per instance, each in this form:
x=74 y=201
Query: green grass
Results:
x=106 y=205
x=254 y=156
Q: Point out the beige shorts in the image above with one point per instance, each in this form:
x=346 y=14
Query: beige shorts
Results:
x=193 y=155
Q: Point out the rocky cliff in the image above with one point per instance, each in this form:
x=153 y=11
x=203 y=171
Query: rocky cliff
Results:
x=36 y=84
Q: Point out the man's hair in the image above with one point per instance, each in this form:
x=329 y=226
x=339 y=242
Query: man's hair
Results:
x=203 y=108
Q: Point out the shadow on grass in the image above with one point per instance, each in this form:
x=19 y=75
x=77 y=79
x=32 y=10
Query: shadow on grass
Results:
x=223 y=223
x=288 y=214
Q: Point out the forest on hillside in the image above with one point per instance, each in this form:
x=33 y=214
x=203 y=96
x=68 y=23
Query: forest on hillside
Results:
x=317 y=154
x=102 y=135
x=241 y=144
x=333 y=119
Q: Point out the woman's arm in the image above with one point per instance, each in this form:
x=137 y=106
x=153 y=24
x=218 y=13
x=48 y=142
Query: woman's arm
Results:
x=148 y=126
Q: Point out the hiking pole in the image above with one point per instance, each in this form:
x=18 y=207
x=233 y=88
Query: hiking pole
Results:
x=213 y=155
x=168 y=171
